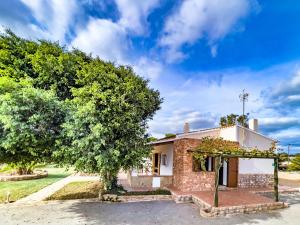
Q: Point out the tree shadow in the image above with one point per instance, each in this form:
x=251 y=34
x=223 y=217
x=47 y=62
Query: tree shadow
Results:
x=158 y=212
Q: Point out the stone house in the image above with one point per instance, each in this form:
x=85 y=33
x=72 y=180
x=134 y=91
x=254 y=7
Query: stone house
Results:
x=173 y=164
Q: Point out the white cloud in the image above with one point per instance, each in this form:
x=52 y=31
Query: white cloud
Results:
x=54 y=17
x=174 y=121
x=109 y=40
x=134 y=13
x=104 y=38
x=148 y=68
x=216 y=93
x=197 y=19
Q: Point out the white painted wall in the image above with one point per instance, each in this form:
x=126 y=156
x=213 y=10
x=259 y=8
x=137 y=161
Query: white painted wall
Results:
x=166 y=170
x=249 y=139
x=256 y=166
x=229 y=133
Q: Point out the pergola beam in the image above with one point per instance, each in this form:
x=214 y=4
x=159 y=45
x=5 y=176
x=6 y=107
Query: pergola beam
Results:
x=244 y=155
x=218 y=157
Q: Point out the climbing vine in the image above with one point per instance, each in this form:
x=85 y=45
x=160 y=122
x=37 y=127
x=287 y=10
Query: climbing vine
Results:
x=219 y=147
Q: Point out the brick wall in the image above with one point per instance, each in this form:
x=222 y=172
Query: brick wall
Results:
x=255 y=180
x=184 y=178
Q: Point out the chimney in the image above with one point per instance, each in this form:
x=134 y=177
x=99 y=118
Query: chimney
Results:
x=186 y=128
x=253 y=124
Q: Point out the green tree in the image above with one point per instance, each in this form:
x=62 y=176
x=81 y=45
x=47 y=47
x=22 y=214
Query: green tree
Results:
x=30 y=124
x=50 y=66
x=170 y=135
x=295 y=163
x=108 y=106
x=233 y=119
x=106 y=129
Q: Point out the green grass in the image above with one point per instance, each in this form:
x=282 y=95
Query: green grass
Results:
x=20 y=189
x=77 y=190
x=90 y=189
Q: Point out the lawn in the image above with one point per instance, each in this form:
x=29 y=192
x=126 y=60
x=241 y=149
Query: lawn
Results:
x=20 y=189
x=77 y=190
x=90 y=189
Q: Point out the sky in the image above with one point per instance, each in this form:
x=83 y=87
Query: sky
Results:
x=200 y=54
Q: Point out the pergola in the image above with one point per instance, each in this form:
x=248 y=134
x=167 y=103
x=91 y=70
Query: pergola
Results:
x=228 y=154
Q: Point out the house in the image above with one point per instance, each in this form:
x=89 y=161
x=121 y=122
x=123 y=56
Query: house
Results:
x=173 y=164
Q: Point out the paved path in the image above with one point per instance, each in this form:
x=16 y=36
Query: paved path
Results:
x=138 y=213
x=51 y=189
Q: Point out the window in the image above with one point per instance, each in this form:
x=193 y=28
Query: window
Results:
x=208 y=164
x=164 y=159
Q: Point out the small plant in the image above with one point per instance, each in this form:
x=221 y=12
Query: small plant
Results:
x=20 y=168
x=154 y=192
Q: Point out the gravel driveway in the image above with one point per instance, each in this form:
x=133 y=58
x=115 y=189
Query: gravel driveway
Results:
x=158 y=212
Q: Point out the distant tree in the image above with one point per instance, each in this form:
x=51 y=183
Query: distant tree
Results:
x=151 y=139
x=233 y=119
x=170 y=135
x=30 y=124
x=295 y=163
x=283 y=157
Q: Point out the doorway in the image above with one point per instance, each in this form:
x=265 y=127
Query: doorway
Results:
x=232 y=172
x=156 y=163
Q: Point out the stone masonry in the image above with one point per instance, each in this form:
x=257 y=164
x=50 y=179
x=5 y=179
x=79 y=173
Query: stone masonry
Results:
x=184 y=178
x=255 y=180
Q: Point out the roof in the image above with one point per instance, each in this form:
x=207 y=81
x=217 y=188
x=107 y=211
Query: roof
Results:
x=183 y=135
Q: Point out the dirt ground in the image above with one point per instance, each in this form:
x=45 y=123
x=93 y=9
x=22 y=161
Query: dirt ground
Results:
x=291 y=179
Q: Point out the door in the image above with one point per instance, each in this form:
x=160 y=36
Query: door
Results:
x=232 y=172
x=221 y=171
x=156 y=163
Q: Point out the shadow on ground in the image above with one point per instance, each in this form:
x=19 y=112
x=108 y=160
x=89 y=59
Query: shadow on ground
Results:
x=159 y=212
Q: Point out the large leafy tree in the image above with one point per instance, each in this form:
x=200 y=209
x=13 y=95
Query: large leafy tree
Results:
x=107 y=126
x=49 y=65
x=30 y=124
x=108 y=105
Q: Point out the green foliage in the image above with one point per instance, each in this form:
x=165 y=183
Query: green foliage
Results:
x=154 y=192
x=107 y=106
x=295 y=163
x=151 y=139
x=169 y=135
x=233 y=119
x=283 y=157
x=218 y=146
x=48 y=64
x=30 y=122
x=106 y=129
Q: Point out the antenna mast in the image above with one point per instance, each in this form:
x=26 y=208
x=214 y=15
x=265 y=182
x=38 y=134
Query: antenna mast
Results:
x=244 y=98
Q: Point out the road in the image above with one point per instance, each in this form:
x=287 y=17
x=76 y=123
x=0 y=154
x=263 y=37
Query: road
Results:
x=159 y=212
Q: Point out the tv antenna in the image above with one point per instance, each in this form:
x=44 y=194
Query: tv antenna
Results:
x=244 y=98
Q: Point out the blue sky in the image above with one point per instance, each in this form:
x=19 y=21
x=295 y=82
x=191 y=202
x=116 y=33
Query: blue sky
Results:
x=200 y=54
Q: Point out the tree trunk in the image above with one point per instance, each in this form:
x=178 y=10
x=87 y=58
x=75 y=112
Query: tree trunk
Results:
x=110 y=181
x=217 y=170
x=276 y=195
